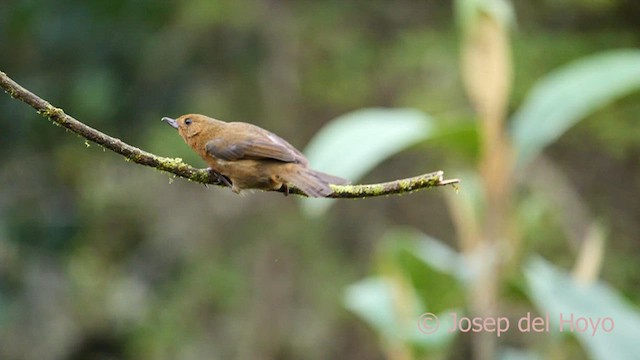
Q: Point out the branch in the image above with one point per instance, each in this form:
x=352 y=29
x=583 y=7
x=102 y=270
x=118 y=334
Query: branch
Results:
x=177 y=167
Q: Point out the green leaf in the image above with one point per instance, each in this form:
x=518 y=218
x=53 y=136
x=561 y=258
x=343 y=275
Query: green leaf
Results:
x=569 y=94
x=431 y=252
x=435 y=269
x=556 y=293
x=354 y=143
x=372 y=299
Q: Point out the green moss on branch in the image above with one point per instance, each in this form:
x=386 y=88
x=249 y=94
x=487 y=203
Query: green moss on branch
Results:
x=177 y=167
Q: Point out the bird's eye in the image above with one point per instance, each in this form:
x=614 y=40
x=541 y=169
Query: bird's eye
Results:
x=188 y=121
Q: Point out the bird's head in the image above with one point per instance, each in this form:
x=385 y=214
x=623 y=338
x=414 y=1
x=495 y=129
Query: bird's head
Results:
x=189 y=125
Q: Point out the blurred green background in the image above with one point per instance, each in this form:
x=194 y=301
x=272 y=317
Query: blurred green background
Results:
x=104 y=259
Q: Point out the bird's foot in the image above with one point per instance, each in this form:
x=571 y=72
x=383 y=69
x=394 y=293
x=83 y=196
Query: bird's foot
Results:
x=219 y=177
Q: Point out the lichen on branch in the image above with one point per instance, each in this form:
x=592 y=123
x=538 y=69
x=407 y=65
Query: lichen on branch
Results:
x=177 y=167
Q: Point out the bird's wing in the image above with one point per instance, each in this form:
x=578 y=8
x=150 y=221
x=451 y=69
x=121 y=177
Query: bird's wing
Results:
x=257 y=145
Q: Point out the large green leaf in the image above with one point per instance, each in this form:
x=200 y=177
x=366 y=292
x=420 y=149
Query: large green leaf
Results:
x=354 y=143
x=434 y=269
x=431 y=252
x=556 y=293
x=374 y=301
x=569 y=94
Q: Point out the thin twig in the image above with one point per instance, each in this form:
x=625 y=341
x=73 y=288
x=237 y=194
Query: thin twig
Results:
x=177 y=167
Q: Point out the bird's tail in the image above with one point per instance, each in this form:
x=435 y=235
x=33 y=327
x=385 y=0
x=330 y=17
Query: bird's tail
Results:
x=313 y=183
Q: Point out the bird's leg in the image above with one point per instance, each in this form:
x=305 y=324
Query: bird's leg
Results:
x=221 y=178
x=285 y=187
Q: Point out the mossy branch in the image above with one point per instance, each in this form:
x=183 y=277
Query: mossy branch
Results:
x=177 y=167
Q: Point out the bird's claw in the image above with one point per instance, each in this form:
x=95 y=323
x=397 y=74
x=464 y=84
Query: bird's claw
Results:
x=219 y=177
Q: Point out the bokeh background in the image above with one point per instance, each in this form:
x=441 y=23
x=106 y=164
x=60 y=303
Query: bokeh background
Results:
x=104 y=259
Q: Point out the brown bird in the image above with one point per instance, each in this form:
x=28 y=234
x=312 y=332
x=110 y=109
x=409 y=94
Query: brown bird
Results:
x=245 y=156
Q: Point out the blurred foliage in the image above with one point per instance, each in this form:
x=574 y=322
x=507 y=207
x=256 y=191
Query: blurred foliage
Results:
x=359 y=134
x=566 y=97
x=100 y=258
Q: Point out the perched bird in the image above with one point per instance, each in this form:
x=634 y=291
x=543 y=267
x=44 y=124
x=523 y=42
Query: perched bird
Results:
x=245 y=156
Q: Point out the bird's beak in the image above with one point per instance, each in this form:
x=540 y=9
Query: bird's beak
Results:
x=172 y=122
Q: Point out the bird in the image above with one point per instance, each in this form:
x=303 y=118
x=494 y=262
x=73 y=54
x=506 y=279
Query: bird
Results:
x=245 y=156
